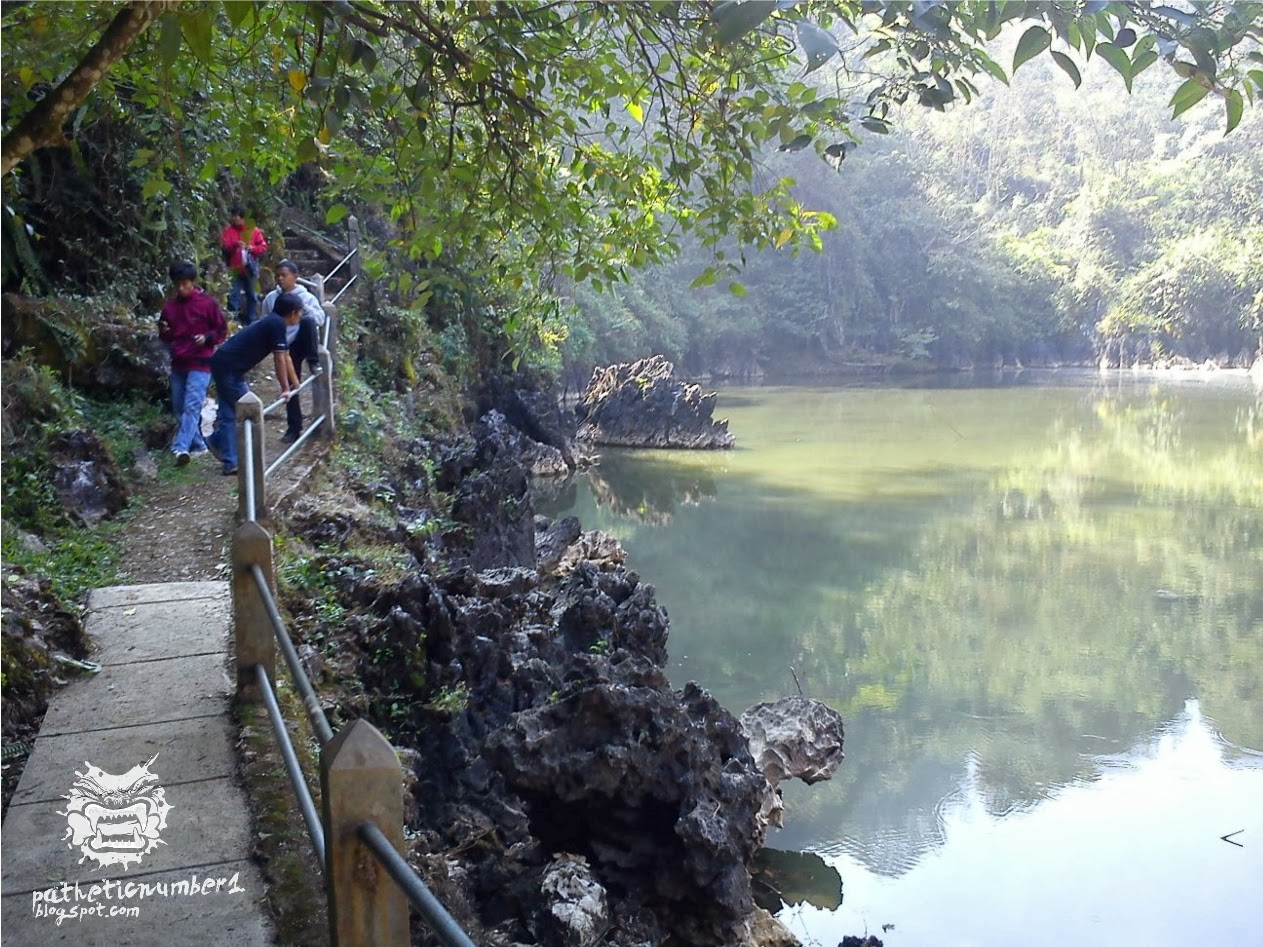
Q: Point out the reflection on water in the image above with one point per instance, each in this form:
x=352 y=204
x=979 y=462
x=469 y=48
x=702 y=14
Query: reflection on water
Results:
x=1031 y=579
x=1132 y=853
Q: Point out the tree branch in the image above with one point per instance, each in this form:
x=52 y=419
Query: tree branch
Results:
x=42 y=125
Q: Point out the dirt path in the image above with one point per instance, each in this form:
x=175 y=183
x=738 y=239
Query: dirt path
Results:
x=180 y=525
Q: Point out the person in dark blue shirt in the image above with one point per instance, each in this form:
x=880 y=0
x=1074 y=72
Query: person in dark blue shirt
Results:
x=244 y=350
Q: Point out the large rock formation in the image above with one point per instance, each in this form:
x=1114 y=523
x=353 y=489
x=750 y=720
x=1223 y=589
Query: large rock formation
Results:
x=644 y=405
x=571 y=788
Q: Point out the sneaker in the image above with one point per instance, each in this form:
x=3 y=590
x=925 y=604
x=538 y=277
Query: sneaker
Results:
x=289 y=437
x=181 y=458
x=230 y=470
x=198 y=451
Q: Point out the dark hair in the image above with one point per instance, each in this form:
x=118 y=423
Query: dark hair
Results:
x=287 y=303
x=288 y=265
x=182 y=270
x=237 y=211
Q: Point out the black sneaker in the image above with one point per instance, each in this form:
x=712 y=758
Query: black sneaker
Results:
x=289 y=437
x=181 y=458
x=230 y=470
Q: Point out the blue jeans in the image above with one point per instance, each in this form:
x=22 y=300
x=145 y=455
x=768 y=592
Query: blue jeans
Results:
x=243 y=285
x=188 y=394
x=229 y=387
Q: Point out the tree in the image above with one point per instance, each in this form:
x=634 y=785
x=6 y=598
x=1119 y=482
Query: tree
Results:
x=564 y=139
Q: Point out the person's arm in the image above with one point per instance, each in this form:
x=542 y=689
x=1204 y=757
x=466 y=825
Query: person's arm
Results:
x=229 y=239
x=216 y=326
x=258 y=243
x=285 y=373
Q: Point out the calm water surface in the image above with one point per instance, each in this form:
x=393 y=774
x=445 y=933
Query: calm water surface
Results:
x=1039 y=608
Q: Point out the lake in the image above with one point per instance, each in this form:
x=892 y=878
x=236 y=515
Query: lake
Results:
x=1038 y=605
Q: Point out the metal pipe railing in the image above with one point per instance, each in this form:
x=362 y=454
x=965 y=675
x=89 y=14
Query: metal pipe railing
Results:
x=346 y=259
x=315 y=713
x=311 y=377
x=245 y=459
x=315 y=828
x=347 y=285
x=427 y=905
x=302 y=439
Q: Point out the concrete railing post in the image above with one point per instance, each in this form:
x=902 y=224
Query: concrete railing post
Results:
x=252 y=629
x=249 y=407
x=322 y=395
x=353 y=242
x=318 y=287
x=330 y=330
x=360 y=781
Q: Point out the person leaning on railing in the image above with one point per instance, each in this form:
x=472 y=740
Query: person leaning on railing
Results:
x=240 y=354
x=303 y=342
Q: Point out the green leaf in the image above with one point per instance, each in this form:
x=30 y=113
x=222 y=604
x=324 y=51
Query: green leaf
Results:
x=636 y=112
x=198 y=30
x=155 y=186
x=706 y=278
x=736 y=289
x=1142 y=62
x=169 y=40
x=239 y=11
x=1234 y=106
x=993 y=67
x=1118 y=59
x=1068 y=67
x=1186 y=96
x=336 y=213
x=735 y=18
x=1033 y=42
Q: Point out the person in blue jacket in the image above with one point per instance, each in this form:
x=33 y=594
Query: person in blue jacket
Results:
x=273 y=333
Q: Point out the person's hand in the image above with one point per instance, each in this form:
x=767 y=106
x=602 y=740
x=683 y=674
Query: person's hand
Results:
x=200 y=338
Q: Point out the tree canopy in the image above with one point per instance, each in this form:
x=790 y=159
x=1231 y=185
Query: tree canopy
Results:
x=549 y=140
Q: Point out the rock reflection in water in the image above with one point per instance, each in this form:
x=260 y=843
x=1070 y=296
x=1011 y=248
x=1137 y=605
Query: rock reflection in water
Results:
x=784 y=879
x=647 y=492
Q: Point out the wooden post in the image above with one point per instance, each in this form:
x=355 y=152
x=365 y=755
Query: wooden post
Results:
x=360 y=781
x=322 y=395
x=251 y=627
x=353 y=243
x=250 y=463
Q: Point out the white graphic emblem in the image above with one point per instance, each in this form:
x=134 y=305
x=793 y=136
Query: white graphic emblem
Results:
x=115 y=819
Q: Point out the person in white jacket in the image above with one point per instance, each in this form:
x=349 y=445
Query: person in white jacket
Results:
x=303 y=337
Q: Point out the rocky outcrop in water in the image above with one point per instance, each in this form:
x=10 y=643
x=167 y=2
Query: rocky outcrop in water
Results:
x=792 y=738
x=643 y=404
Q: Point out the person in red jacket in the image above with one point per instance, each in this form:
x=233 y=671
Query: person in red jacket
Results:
x=191 y=325
x=243 y=247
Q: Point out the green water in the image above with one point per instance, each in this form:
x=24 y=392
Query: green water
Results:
x=1038 y=606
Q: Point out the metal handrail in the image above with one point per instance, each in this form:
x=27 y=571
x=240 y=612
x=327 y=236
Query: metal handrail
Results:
x=248 y=426
x=343 y=263
x=315 y=713
x=302 y=438
x=429 y=907
x=311 y=377
x=345 y=286
x=315 y=828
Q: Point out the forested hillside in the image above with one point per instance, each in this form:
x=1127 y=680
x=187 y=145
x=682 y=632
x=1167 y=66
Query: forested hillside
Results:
x=1038 y=224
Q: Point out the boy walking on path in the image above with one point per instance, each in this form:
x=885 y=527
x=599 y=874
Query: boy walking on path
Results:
x=243 y=247
x=303 y=345
x=239 y=355
x=191 y=325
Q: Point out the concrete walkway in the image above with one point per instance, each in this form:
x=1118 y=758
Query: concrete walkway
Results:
x=163 y=689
